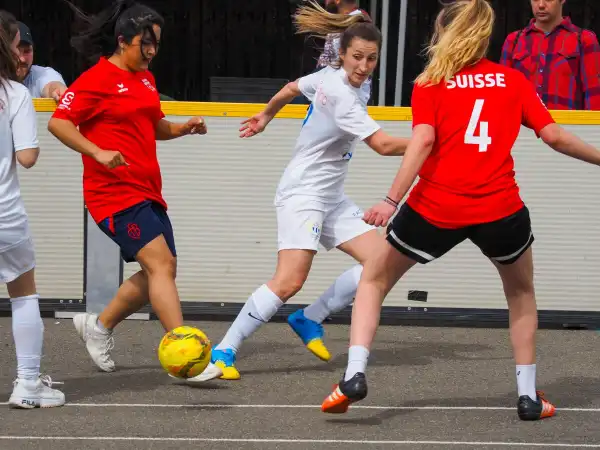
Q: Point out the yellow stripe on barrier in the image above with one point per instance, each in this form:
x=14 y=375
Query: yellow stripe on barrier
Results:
x=383 y=113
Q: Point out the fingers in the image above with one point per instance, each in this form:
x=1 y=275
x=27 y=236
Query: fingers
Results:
x=116 y=161
x=374 y=218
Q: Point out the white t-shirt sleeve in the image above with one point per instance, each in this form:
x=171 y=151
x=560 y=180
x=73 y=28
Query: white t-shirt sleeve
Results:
x=23 y=121
x=309 y=84
x=352 y=117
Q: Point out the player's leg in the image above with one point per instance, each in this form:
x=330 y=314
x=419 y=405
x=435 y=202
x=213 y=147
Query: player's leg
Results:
x=292 y=270
x=143 y=233
x=410 y=240
x=507 y=243
x=299 y=230
x=30 y=390
x=343 y=228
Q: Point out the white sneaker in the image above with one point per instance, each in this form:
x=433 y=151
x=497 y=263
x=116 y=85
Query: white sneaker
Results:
x=211 y=372
x=98 y=343
x=29 y=394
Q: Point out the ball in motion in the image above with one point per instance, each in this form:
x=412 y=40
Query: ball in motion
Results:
x=184 y=352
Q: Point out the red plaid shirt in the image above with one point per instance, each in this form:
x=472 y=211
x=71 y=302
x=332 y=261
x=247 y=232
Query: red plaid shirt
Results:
x=564 y=65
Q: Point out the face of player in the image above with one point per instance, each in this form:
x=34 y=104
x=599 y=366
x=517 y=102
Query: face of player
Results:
x=359 y=60
x=138 y=55
x=547 y=11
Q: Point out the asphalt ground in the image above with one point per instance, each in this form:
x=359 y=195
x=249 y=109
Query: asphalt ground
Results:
x=433 y=388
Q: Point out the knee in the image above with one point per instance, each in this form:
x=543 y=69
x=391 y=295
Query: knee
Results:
x=163 y=267
x=288 y=286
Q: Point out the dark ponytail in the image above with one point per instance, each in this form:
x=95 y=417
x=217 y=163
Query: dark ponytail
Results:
x=98 y=34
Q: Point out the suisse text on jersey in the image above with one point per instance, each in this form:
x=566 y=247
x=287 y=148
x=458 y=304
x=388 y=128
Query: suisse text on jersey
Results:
x=477 y=81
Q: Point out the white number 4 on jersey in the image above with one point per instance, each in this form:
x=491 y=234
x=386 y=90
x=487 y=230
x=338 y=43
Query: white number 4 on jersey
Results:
x=483 y=139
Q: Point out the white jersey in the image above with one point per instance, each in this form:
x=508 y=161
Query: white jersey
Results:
x=18 y=131
x=336 y=120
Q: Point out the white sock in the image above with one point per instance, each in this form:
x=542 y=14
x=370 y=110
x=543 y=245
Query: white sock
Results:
x=28 y=333
x=101 y=328
x=339 y=295
x=357 y=361
x=258 y=310
x=526 y=381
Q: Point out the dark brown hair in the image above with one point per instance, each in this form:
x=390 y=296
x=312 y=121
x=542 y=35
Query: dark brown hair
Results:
x=98 y=34
x=8 y=60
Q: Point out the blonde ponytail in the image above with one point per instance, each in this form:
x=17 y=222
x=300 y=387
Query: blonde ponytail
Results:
x=461 y=38
x=317 y=21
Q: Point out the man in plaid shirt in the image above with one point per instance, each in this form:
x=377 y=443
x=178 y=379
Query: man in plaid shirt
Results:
x=559 y=58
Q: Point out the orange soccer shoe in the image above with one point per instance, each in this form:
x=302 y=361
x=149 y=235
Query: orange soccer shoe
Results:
x=535 y=410
x=345 y=393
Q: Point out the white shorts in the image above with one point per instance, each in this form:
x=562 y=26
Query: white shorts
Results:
x=17 y=260
x=303 y=223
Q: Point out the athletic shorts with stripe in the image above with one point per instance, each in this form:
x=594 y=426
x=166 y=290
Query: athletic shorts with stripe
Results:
x=503 y=241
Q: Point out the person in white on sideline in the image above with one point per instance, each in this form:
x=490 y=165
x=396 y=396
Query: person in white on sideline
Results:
x=19 y=142
x=42 y=82
x=311 y=206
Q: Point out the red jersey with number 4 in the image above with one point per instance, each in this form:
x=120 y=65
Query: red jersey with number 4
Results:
x=469 y=176
x=116 y=110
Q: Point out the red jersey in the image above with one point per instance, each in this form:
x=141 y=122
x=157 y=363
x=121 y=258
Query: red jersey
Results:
x=469 y=176
x=116 y=110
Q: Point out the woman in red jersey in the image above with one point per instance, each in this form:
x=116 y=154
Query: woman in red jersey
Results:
x=116 y=106
x=467 y=113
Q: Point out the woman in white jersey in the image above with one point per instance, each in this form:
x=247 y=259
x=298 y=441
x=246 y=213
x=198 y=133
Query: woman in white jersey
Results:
x=19 y=143
x=310 y=202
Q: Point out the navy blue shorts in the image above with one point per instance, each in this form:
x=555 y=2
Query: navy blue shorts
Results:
x=133 y=228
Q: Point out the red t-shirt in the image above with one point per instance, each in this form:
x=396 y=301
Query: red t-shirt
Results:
x=116 y=110
x=469 y=176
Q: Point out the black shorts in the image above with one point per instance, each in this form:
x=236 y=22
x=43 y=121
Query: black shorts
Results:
x=133 y=228
x=503 y=241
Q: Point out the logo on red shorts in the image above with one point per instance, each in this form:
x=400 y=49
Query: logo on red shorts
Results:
x=133 y=231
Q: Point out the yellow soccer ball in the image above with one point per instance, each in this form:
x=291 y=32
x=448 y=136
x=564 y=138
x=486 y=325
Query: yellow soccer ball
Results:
x=184 y=352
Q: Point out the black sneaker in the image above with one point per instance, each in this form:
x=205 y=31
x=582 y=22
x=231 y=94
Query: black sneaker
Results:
x=534 y=410
x=346 y=393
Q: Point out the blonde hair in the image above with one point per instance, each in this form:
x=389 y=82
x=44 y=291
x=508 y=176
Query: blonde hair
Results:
x=315 y=20
x=461 y=38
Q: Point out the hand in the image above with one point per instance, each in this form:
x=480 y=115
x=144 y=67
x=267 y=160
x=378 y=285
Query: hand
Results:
x=254 y=125
x=110 y=159
x=196 y=125
x=58 y=93
x=379 y=215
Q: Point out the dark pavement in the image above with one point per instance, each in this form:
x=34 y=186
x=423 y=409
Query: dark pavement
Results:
x=433 y=388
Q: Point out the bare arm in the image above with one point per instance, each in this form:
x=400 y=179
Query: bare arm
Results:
x=166 y=130
x=257 y=123
x=568 y=144
x=67 y=133
x=288 y=93
x=387 y=145
x=28 y=157
x=418 y=150
x=54 y=89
